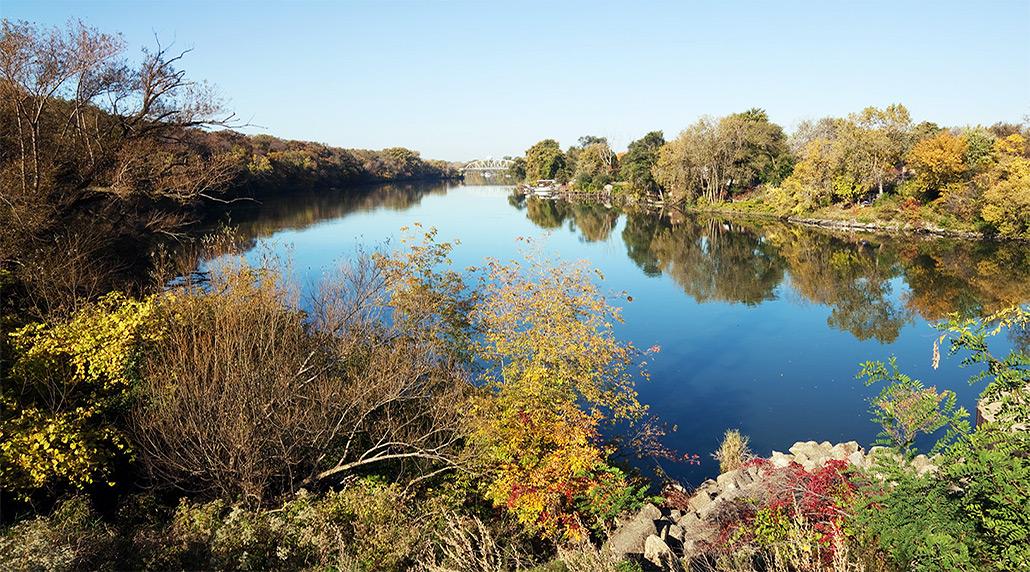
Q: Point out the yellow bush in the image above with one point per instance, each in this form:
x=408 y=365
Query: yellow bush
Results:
x=66 y=382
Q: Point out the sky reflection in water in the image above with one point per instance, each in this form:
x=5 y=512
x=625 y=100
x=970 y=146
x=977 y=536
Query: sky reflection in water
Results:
x=761 y=325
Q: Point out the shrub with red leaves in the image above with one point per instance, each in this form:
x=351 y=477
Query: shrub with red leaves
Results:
x=815 y=501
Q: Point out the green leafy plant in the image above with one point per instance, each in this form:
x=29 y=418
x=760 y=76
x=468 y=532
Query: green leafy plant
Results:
x=905 y=408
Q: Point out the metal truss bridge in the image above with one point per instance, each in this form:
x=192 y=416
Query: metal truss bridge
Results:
x=484 y=165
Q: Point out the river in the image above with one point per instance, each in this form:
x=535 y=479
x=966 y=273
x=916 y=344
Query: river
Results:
x=761 y=325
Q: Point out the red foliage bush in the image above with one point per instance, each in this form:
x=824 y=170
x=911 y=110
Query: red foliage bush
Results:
x=818 y=500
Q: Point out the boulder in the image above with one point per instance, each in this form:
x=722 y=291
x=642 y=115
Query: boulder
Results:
x=699 y=501
x=657 y=552
x=728 y=495
x=650 y=511
x=857 y=459
x=780 y=460
x=850 y=447
x=689 y=520
x=922 y=465
x=629 y=537
x=805 y=447
x=727 y=480
x=744 y=478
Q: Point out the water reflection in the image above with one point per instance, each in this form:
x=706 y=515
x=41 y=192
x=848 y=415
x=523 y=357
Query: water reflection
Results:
x=855 y=274
x=761 y=324
x=299 y=209
x=873 y=284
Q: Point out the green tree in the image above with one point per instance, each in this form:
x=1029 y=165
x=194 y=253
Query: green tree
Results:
x=544 y=160
x=639 y=160
x=596 y=166
x=760 y=152
x=517 y=170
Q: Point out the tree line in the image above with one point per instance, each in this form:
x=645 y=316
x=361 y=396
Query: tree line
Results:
x=969 y=178
x=102 y=152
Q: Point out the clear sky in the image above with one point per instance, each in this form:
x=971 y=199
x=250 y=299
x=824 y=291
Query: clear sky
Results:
x=460 y=80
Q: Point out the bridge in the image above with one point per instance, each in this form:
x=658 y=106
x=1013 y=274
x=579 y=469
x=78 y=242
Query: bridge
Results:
x=487 y=165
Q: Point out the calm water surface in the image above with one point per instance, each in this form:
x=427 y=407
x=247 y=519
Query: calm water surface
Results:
x=761 y=325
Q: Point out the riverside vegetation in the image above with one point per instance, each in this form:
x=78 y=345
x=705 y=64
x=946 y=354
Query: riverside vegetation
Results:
x=875 y=167
x=405 y=414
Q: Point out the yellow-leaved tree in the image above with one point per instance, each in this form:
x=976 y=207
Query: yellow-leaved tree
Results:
x=554 y=375
x=1007 y=200
x=938 y=161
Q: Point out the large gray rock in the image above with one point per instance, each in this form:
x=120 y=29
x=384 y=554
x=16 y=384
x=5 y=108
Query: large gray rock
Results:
x=629 y=538
x=657 y=552
x=727 y=496
x=745 y=478
x=727 y=480
x=689 y=520
x=650 y=511
x=700 y=500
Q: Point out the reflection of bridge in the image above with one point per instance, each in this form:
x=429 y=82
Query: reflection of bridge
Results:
x=487 y=165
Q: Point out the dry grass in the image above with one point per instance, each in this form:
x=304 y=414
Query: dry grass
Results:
x=733 y=451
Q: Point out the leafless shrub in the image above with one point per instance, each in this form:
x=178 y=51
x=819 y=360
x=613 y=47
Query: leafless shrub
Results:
x=69 y=269
x=246 y=396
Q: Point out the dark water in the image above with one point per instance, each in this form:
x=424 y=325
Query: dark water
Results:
x=761 y=325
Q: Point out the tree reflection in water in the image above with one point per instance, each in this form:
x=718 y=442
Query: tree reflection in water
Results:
x=856 y=275
x=874 y=285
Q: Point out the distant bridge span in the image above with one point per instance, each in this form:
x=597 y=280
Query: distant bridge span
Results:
x=487 y=165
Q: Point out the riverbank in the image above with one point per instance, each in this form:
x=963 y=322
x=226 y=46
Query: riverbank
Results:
x=843 y=221
x=688 y=529
x=864 y=218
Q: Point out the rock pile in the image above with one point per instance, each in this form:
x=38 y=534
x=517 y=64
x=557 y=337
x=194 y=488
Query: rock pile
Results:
x=675 y=540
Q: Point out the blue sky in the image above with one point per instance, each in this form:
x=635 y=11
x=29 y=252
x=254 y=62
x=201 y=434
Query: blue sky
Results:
x=458 y=80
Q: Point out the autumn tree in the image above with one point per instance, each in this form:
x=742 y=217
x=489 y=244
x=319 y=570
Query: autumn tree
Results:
x=1007 y=199
x=97 y=149
x=845 y=159
x=715 y=159
x=555 y=374
x=879 y=140
x=694 y=164
x=938 y=161
x=79 y=106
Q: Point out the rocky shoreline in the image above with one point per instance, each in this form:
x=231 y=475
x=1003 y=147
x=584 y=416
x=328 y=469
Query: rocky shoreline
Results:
x=882 y=227
x=679 y=536
x=891 y=228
